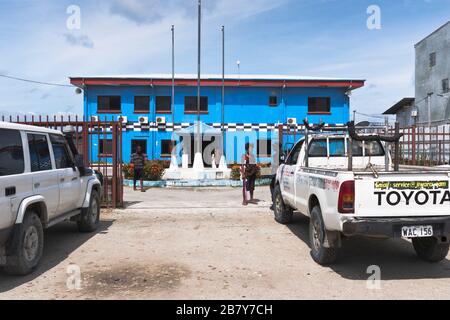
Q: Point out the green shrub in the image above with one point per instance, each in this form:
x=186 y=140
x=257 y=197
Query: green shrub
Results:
x=235 y=172
x=153 y=170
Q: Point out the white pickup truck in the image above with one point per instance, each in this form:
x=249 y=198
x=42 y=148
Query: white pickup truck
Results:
x=345 y=197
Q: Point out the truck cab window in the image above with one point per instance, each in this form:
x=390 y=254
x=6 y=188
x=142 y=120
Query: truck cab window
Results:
x=293 y=156
x=318 y=148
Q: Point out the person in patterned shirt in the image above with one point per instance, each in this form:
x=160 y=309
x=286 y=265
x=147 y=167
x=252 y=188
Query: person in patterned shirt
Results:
x=138 y=160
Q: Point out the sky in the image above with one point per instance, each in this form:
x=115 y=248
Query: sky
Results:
x=321 y=38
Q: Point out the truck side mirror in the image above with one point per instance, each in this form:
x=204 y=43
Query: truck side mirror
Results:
x=79 y=161
x=282 y=158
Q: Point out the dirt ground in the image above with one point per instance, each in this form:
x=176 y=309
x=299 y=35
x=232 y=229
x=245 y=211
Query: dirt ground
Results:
x=202 y=244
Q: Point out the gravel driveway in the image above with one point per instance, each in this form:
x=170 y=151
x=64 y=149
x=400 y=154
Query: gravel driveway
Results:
x=202 y=244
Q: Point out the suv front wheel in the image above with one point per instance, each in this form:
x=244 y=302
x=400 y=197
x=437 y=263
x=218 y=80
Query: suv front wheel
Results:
x=27 y=246
x=90 y=217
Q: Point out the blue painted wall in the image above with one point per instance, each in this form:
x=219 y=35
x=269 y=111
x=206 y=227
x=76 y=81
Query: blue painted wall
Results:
x=243 y=105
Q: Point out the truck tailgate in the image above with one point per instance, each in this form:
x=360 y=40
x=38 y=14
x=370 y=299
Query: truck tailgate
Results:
x=403 y=194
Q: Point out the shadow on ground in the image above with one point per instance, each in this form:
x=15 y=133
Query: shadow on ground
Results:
x=396 y=257
x=59 y=242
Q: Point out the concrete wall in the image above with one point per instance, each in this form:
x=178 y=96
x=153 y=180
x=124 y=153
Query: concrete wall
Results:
x=429 y=79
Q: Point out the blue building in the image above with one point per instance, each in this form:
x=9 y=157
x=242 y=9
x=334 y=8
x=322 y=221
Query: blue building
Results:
x=254 y=107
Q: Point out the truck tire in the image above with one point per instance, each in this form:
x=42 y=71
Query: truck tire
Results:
x=320 y=254
x=283 y=213
x=27 y=246
x=90 y=217
x=429 y=249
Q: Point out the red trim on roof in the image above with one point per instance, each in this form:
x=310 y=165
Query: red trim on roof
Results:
x=355 y=84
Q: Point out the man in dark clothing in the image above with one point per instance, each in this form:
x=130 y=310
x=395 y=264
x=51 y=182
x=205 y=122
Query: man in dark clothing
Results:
x=138 y=161
x=249 y=171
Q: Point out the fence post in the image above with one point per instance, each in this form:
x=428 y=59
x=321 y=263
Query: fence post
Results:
x=413 y=140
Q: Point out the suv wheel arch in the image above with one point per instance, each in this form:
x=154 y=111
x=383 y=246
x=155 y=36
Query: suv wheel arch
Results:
x=37 y=205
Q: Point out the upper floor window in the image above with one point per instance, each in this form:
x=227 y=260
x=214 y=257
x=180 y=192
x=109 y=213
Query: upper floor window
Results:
x=112 y=104
x=445 y=86
x=319 y=105
x=432 y=59
x=11 y=153
x=190 y=104
x=141 y=104
x=163 y=104
x=273 y=101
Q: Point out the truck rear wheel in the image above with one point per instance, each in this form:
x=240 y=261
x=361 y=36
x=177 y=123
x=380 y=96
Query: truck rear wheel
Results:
x=317 y=234
x=283 y=213
x=430 y=249
x=90 y=218
x=27 y=246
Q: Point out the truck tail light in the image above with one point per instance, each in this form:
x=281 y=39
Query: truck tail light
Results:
x=346 y=203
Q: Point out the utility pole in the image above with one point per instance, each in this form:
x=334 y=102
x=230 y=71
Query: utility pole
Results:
x=223 y=90
x=198 y=159
x=429 y=108
x=173 y=75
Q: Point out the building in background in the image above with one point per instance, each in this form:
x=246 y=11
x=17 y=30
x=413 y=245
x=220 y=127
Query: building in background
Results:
x=432 y=74
x=255 y=106
x=405 y=112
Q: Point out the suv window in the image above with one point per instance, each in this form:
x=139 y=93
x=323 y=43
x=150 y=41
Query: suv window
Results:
x=63 y=156
x=39 y=153
x=11 y=153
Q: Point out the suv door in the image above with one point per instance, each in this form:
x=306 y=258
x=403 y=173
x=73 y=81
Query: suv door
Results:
x=15 y=184
x=44 y=177
x=68 y=176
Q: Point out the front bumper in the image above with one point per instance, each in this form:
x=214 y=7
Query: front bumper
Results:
x=391 y=227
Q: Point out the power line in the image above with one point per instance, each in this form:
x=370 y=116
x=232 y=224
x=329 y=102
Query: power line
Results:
x=371 y=115
x=35 y=81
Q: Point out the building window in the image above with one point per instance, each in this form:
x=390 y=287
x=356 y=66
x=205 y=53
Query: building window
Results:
x=445 y=86
x=11 y=153
x=166 y=148
x=273 y=101
x=39 y=153
x=432 y=59
x=109 y=104
x=142 y=104
x=190 y=104
x=138 y=143
x=163 y=104
x=105 y=147
x=319 y=105
x=264 y=148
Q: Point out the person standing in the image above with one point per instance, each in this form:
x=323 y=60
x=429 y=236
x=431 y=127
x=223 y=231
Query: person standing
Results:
x=249 y=171
x=138 y=160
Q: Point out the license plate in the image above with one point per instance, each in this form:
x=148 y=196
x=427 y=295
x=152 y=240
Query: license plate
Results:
x=417 y=231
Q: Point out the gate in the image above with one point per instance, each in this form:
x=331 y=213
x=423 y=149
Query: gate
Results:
x=86 y=134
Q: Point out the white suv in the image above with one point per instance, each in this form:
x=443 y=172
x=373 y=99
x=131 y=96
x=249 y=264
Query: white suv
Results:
x=42 y=182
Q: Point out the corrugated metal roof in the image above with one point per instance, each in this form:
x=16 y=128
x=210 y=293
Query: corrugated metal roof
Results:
x=402 y=103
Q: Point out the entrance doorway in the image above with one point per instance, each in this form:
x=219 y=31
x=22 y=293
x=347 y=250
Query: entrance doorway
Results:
x=210 y=146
